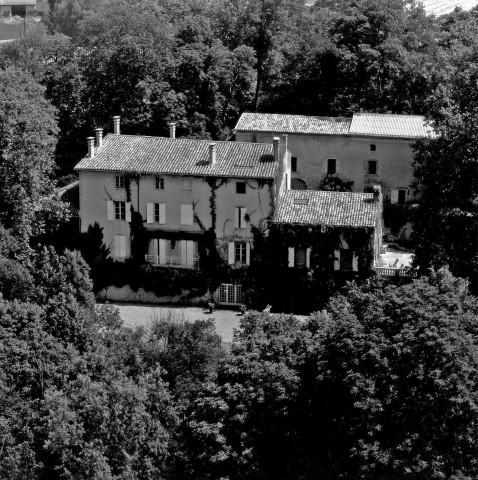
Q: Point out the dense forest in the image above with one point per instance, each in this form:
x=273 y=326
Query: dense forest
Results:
x=382 y=383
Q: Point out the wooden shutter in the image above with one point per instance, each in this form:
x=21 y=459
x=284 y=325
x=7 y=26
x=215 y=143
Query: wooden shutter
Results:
x=237 y=216
x=243 y=222
x=162 y=213
x=291 y=256
x=394 y=196
x=337 y=260
x=186 y=214
x=128 y=211
x=150 y=213
x=120 y=246
x=162 y=251
x=189 y=246
x=355 y=263
x=110 y=210
x=248 y=253
x=230 y=253
x=307 y=258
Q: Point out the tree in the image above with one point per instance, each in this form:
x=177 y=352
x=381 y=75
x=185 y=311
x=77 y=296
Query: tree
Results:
x=28 y=137
x=378 y=385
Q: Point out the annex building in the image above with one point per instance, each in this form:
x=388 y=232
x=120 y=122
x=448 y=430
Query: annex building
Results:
x=367 y=149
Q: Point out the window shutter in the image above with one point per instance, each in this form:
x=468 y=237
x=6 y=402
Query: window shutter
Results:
x=355 y=263
x=162 y=213
x=189 y=253
x=237 y=216
x=231 y=253
x=128 y=211
x=184 y=256
x=291 y=256
x=110 y=210
x=120 y=246
x=162 y=251
x=150 y=213
x=307 y=258
x=243 y=221
x=248 y=253
x=394 y=196
x=186 y=214
x=337 y=260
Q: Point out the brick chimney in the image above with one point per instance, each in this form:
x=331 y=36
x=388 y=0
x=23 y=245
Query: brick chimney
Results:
x=172 y=129
x=212 y=154
x=99 y=137
x=116 y=125
x=91 y=146
x=276 y=142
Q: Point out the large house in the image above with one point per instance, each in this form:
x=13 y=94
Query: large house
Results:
x=368 y=149
x=180 y=190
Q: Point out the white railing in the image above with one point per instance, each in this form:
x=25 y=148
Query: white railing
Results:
x=172 y=261
x=395 y=272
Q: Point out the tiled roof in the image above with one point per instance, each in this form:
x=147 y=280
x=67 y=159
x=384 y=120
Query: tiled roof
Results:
x=338 y=209
x=11 y=3
x=157 y=155
x=279 y=123
x=390 y=125
x=366 y=124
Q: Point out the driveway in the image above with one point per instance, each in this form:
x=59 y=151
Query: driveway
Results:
x=143 y=315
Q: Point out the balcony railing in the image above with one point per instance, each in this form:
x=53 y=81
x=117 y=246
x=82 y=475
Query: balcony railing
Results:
x=395 y=272
x=172 y=261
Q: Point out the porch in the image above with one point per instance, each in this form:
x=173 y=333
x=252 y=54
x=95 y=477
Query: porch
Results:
x=173 y=253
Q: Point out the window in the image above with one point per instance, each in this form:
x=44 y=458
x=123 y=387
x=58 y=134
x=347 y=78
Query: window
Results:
x=159 y=213
x=299 y=257
x=240 y=217
x=398 y=196
x=120 y=210
x=293 y=164
x=159 y=183
x=187 y=214
x=120 y=246
x=240 y=187
x=368 y=190
x=119 y=181
x=372 y=167
x=240 y=252
x=186 y=185
x=19 y=10
x=231 y=293
x=331 y=166
x=346 y=256
x=373 y=147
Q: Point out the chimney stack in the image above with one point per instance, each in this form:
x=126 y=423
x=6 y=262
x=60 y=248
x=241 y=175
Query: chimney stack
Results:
x=377 y=193
x=212 y=154
x=91 y=146
x=99 y=137
x=276 y=141
x=285 y=138
x=116 y=125
x=172 y=129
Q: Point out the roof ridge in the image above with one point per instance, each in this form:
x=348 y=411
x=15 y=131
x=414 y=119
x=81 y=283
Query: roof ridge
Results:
x=253 y=144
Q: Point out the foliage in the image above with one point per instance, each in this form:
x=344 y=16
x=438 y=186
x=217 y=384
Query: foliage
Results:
x=377 y=385
x=335 y=184
x=28 y=136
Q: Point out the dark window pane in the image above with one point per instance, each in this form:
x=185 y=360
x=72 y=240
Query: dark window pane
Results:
x=293 y=164
x=331 y=166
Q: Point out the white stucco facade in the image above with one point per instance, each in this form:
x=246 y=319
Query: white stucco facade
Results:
x=393 y=157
